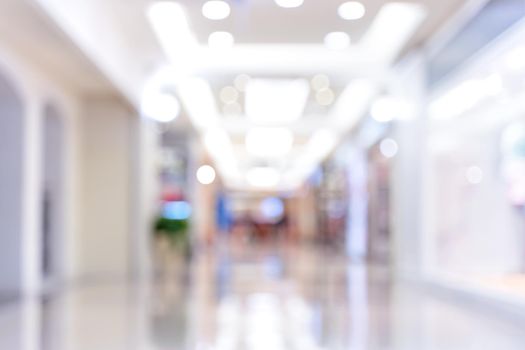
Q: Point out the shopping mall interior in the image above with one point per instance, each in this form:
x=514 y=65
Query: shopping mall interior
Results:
x=262 y=174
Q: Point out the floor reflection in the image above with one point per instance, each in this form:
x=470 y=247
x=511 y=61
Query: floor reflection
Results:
x=253 y=299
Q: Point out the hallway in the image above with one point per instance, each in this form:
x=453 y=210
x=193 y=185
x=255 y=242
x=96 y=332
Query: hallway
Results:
x=263 y=298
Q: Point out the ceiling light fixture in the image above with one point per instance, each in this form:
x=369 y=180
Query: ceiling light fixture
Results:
x=197 y=97
x=229 y=94
x=392 y=27
x=160 y=106
x=337 y=40
x=216 y=10
x=320 y=82
x=263 y=177
x=388 y=148
x=170 y=24
x=325 y=97
x=351 y=10
x=388 y=108
x=221 y=40
x=289 y=3
x=269 y=142
x=206 y=175
x=272 y=101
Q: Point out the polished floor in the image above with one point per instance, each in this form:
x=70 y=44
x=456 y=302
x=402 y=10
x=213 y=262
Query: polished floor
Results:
x=267 y=298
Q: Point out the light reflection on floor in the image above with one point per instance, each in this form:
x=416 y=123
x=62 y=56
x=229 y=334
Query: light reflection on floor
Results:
x=255 y=299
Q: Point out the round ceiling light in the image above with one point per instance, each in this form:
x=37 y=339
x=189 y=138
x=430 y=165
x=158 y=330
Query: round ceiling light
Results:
x=325 y=97
x=351 y=10
x=206 y=175
x=388 y=148
x=216 y=10
x=320 y=82
x=337 y=40
x=289 y=3
x=229 y=94
x=221 y=40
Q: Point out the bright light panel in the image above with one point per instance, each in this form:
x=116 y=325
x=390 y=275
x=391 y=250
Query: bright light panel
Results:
x=216 y=10
x=221 y=40
x=170 y=24
x=160 y=106
x=263 y=177
x=466 y=96
x=388 y=108
x=269 y=142
x=206 y=174
x=352 y=104
x=351 y=10
x=289 y=3
x=393 y=26
x=337 y=41
x=270 y=101
x=198 y=99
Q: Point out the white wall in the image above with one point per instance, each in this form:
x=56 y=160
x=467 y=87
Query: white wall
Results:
x=104 y=241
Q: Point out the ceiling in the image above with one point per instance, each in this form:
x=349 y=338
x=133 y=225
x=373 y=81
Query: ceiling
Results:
x=271 y=44
x=44 y=45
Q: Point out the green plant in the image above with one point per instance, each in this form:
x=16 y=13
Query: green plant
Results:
x=175 y=230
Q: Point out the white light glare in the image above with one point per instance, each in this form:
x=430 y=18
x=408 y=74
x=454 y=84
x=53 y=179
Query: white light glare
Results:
x=337 y=41
x=466 y=96
x=221 y=40
x=264 y=177
x=216 y=10
x=388 y=148
x=289 y=3
x=170 y=24
x=325 y=97
x=206 y=175
x=387 y=108
x=351 y=10
x=198 y=99
x=320 y=82
x=276 y=101
x=269 y=142
x=160 y=106
x=395 y=23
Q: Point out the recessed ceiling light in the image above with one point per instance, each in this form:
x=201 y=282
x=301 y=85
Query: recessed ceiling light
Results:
x=337 y=40
x=320 y=82
x=216 y=10
x=206 y=175
x=241 y=81
x=289 y=3
x=221 y=40
x=229 y=94
x=388 y=148
x=276 y=101
x=351 y=10
x=325 y=97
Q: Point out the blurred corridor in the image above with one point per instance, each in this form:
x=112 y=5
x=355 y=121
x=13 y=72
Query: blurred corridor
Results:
x=262 y=174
